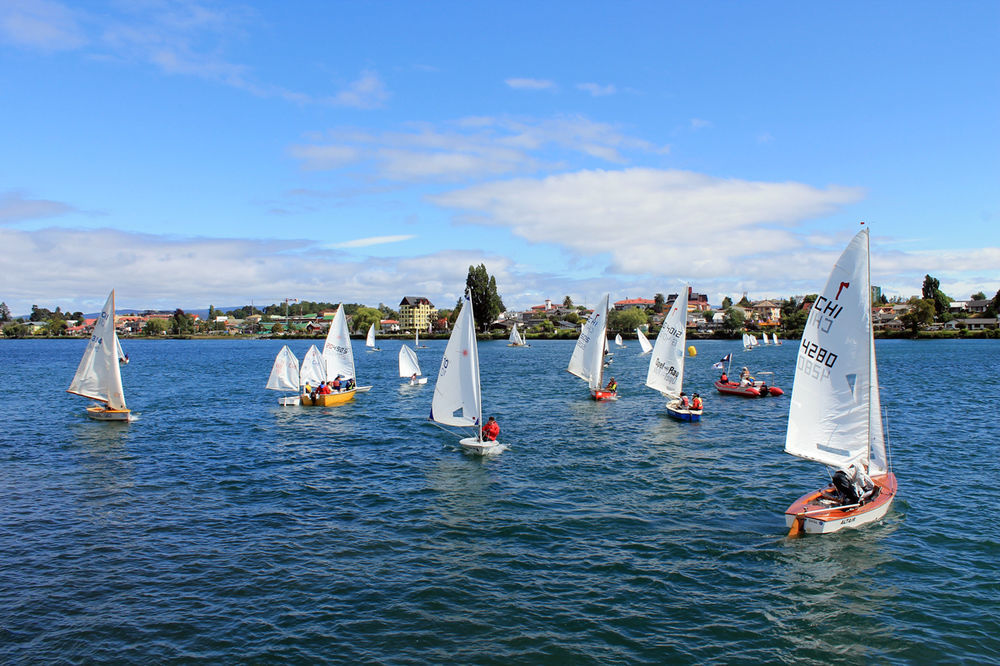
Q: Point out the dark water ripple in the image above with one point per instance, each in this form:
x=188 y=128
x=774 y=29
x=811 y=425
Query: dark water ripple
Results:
x=220 y=527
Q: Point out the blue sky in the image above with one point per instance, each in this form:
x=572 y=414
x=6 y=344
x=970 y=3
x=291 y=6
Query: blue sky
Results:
x=196 y=153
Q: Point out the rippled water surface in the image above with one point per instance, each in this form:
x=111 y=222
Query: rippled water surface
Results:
x=221 y=527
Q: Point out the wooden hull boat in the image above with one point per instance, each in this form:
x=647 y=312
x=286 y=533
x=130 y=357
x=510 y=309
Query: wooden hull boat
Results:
x=748 y=391
x=327 y=399
x=816 y=513
x=675 y=411
x=102 y=413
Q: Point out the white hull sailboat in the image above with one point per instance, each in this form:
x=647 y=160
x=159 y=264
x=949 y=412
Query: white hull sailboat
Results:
x=370 y=339
x=457 y=393
x=666 y=365
x=587 y=361
x=285 y=376
x=416 y=341
x=643 y=342
x=515 y=339
x=409 y=367
x=835 y=412
x=98 y=376
x=618 y=340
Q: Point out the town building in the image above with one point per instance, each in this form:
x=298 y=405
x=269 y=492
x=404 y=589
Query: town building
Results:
x=416 y=313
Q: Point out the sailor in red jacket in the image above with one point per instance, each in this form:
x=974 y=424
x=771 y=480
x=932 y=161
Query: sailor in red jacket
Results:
x=491 y=430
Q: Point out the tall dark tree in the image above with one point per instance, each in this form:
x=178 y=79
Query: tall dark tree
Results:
x=932 y=292
x=568 y=302
x=994 y=307
x=181 y=323
x=727 y=303
x=979 y=296
x=658 y=302
x=486 y=302
x=5 y=312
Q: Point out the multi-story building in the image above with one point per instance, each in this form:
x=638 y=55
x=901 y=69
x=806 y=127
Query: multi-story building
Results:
x=415 y=313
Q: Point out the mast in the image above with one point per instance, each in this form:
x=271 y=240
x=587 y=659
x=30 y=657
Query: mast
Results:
x=871 y=335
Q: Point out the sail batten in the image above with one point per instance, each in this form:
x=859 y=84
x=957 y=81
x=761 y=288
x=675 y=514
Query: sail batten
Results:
x=98 y=375
x=587 y=361
x=666 y=365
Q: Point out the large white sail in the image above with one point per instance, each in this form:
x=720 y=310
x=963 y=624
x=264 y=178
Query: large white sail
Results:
x=457 y=398
x=284 y=372
x=370 y=338
x=313 y=370
x=337 y=352
x=834 y=414
x=643 y=342
x=408 y=365
x=515 y=337
x=98 y=376
x=666 y=365
x=587 y=361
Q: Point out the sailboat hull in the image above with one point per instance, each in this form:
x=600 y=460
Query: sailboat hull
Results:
x=289 y=400
x=479 y=447
x=675 y=411
x=100 y=413
x=328 y=399
x=819 y=518
x=748 y=391
x=601 y=395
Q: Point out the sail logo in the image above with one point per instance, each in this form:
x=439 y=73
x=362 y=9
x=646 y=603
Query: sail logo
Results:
x=662 y=368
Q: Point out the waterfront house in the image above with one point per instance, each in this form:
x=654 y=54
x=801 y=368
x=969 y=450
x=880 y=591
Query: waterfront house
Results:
x=415 y=313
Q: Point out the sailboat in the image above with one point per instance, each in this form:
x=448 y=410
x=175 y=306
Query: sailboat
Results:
x=835 y=413
x=666 y=365
x=98 y=376
x=122 y=356
x=747 y=342
x=587 y=361
x=409 y=367
x=515 y=339
x=338 y=359
x=285 y=376
x=764 y=337
x=457 y=394
x=643 y=342
x=774 y=337
x=416 y=340
x=618 y=340
x=370 y=339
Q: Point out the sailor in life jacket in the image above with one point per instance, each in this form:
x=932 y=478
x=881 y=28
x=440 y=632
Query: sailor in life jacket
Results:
x=491 y=430
x=685 y=404
x=696 y=402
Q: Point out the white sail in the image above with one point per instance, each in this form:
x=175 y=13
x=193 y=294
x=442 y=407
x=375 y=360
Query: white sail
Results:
x=313 y=370
x=337 y=352
x=834 y=414
x=618 y=340
x=284 y=372
x=98 y=376
x=515 y=337
x=666 y=365
x=370 y=339
x=774 y=338
x=416 y=338
x=457 y=398
x=122 y=356
x=644 y=342
x=587 y=361
x=764 y=338
x=753 y=341
x=746 y=341
x=408 y=365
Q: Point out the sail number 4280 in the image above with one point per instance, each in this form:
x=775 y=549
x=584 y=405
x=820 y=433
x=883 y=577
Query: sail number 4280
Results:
x=815 y=360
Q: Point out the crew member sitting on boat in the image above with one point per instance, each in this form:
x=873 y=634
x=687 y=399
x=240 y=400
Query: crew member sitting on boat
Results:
x=745 y=378
x=696 y=402
x=324 y=389
x=685 y=403
x=336 y=383
x=612 y=385
x=308 y=388
x=853 y=484
x=724 y=378
x=491 y=430
x=348 y=384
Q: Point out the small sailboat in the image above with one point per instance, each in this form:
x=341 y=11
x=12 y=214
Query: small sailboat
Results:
x=587 y=361
x=312 y=371
x=416 y=340
x=747 y=342
x=122 y=356
x=835 y=413
x=98 y=376
x=370 y=339
x=774 y=336
x=515 y=339
x=457 y=394
x=618 y=340
x=643 y=342
x=409 y=367
x=338 y=359
x=285 y=376
x=764 y=337
x=666 y=365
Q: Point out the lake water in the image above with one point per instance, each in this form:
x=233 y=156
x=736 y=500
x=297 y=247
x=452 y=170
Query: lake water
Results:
x=221 y=527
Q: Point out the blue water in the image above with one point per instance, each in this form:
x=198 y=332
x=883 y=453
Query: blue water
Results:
x=221 y=527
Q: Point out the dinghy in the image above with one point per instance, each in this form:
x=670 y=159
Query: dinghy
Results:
x=122 y=356
x=457 y=393
x=285 y=376
x=618 y=340
x=747 y=342
x=338 y=361
x=666 y=365
x=416 y=341
x=643 y=342
x=515 y=339
x=409 y=367
x=835 y=412
x=587 y=361
x=98 y=376
x=370 y=339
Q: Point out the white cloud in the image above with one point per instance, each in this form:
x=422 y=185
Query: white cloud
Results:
x=372 y=240
x=16 y=207
x=368 y=92
x=40 y=24
x=700 y=123
x=321 y=158
x=530 y=84
x=597 y=90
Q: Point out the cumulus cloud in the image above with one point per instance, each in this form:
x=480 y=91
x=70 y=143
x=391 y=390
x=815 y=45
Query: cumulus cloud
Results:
x=660 y=222
x=41 y=25
x=530 y=84
x=15 y=206
x=596 y=89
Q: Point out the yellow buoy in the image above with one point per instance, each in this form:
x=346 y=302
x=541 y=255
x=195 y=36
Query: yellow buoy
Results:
x=692 y=351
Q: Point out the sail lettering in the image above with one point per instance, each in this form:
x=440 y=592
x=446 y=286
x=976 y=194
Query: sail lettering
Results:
x=662 y=367
x=814 y=351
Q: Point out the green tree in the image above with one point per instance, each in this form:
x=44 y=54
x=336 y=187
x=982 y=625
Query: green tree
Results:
x=16 y=330
x=572 y=318
x=486 y=301
x=454 y=312
x=994 y=306
x=364 y=317
x=568 y=302
x=621 y=321
x=211 y=313
x=155 y=327
x=709 y=316
x=932 y=292
x=5 y=312
x=733 y=320
x=40 y=314
x=277 y=328
x=744 y=302
x=978 y=296
x=727 y=303
x=658 y=302
x=181 y=323
x=922 y=314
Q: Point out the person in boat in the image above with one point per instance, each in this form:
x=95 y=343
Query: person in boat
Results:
x=696 y=402
x=853 y=484
x=745 y=378
x=612 y=385
x=324 y=389
x=685 y=403
x=491 y=430
x=348 y=383
x=724 y=378
x=308 y=388
x=336 y=384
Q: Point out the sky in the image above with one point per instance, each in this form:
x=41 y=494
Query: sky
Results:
x=202 y=153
